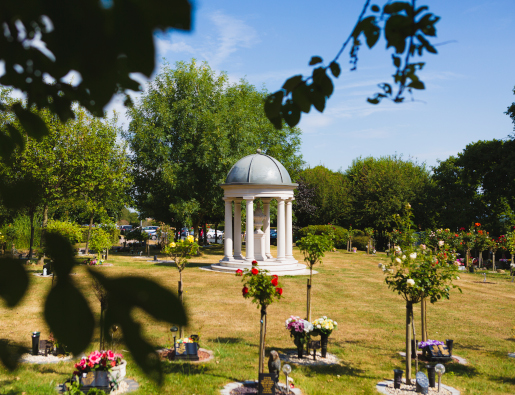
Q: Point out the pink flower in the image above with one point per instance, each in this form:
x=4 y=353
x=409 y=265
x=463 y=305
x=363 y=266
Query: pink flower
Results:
x=110 y=355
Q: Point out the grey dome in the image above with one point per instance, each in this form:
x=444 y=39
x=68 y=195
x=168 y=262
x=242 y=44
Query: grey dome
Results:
x=258 y=169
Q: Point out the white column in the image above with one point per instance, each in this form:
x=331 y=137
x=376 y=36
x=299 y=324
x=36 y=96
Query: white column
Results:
x=289 y=230
x=237 y=229
x=281 y=237
x=228 y=230
x=266 y=226
x=250 y=228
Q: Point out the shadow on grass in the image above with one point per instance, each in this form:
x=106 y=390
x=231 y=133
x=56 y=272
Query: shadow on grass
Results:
x=461 y=370
x=503 y=380
x=461 y=346
x=227 y=340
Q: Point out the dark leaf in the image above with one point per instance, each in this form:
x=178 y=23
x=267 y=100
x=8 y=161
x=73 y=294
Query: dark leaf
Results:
x=7 y=145
x=398 y=6
x=69 y=317
x=421 y=9
x=315 y=60
x=32 y=123
x=374 y=8
x=13 y=281
x=426 y=44
x=386 y=88
x=317 y=97
x=335 y=69
x=60 y=250
x=427 y=24
x=273 y=104
x=416 y=85
x=277 y=122
x=397 y=29
x=291 y=113
x=125 y=294
x=321 y=79
x=300 y=97
x=396 y=61
x=16 y=136
x=370 y=30
x=10 y=354
x=291 y=83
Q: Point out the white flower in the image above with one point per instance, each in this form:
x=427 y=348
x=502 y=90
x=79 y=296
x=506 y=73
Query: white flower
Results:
x=290 y=379
x=398 y=260
x=413 y=255
x=403 y=257
x=410 y=282
x=441 y=243
x=457 y=277
x=319 y=326
x=422 y=246
x=335 y=323
x=397 y=248
x=390 y=270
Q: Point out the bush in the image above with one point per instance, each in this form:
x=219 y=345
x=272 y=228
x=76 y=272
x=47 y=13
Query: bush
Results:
x=360 y=242
x=100 y=240
x=339 y=233
x=69 y=230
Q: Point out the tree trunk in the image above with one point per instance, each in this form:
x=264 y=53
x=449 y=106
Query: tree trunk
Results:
x=181 y=328
x=43 y=230
x=409 y=310
x=204 y=238
x=423 y=313
x=493 y=260
x=415 y=341
x=262 y=338
x=216 y=233
x=31 y=214
x=102 y=334
x=89 y=232
x=308 y=307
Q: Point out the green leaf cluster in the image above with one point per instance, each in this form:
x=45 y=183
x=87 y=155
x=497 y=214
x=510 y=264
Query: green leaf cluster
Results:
x=260 y=288
x=181 y=251
x=314 y=247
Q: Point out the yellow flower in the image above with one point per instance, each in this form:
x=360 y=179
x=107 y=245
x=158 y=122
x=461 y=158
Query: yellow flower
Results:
x=190 y=238
x=171 y=245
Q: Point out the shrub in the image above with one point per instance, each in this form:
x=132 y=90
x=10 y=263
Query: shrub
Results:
x=360 y=242
x=69 y=230
x=100 y=240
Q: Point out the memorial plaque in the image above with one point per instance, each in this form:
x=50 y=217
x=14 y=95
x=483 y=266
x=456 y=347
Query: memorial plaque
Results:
x=314 y=345
x=422 y=383
x=266 y=384
x=439 y=353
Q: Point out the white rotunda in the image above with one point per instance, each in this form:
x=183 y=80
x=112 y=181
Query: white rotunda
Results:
x=259 y=176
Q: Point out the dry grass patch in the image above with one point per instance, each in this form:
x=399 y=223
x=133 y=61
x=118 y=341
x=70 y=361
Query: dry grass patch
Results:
x=349 y=288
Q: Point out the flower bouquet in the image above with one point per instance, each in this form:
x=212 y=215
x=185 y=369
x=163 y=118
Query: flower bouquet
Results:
x=102 y=369
x=324 y=327
x=299 y=330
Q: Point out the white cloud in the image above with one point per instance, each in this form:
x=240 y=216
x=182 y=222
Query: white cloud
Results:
x=233 y=34
x=166 y=45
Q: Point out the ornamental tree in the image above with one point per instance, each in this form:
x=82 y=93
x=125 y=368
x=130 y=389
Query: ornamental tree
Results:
x=416 y=272
x=314 y=247
x=181 y=251
x=263 y=289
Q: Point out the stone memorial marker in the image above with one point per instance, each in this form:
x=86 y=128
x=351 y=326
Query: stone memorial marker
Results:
x=422 y=383
x=266 y=385
x=440 y=353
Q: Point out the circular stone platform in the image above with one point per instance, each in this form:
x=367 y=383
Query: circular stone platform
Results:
x=42 y=359
x=279 y=270
x=126 y=386
x=386 y=387
x=231 y=386
x=292 y=358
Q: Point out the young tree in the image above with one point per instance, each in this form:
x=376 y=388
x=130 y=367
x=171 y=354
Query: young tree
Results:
x=415 y=272
x=314 y=248
x=181 y=251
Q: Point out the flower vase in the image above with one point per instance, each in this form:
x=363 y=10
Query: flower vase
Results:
x=323 y=344
x=300 y=350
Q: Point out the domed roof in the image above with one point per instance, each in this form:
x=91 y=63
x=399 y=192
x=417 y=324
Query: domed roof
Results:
x=258 y=169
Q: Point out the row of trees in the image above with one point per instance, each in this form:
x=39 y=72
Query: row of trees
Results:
x=476 y=186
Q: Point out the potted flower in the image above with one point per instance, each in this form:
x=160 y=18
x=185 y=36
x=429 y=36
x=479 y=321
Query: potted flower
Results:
x=299 y=330
x=324 y=327
x=100 y=368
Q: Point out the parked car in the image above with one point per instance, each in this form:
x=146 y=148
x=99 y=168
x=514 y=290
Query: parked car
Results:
x=273 y=237
x=124 y=229
x=211 y=234
x=151 y=231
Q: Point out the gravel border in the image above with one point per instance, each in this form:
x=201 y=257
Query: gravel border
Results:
x=383 y=388
x=126 y=386
x=229 y=387
x=42 y=360
x=291 y=357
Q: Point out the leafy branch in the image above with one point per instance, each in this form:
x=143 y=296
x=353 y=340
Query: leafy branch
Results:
x=406 y=29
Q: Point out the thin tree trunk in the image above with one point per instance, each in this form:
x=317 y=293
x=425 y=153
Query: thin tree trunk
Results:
x=181 y=328
x=216 y=233
x=262 y=338
x=204 y=238
x=89 y=231
x=43 y=230
x=415 y=338
x=308 y=307
x=31 y=214
x=409 y=310
x=423 y=313
x=493 y=260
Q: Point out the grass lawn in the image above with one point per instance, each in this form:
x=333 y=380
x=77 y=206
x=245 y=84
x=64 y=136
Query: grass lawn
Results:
x=349 y=288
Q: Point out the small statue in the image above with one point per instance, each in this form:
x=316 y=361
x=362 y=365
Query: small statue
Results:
x=274 y=366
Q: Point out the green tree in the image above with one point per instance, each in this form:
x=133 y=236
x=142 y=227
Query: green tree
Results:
x=379 y=188
x=188 y=130
x=330 y=196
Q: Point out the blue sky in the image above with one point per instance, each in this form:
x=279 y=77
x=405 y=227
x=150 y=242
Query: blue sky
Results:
x=469 y=84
